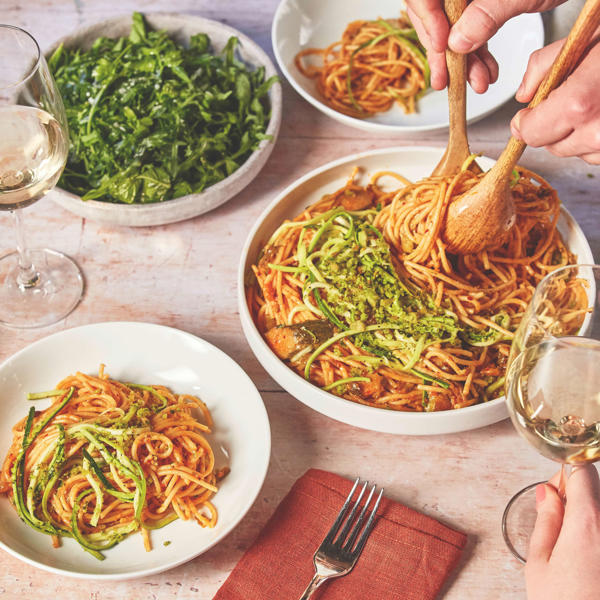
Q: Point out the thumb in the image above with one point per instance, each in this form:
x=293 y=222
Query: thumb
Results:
x=482 y=19
x=550 y=511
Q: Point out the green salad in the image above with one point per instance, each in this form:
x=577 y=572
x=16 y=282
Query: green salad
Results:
x=150 y=120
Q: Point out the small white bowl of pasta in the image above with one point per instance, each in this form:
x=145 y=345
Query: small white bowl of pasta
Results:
x=299 y=25
x=147 y=354
x=414 y=163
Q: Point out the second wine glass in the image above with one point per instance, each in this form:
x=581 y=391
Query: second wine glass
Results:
x=37 y=287
x=553 y=381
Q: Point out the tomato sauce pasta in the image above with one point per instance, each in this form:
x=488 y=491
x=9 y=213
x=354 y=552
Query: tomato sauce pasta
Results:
x=360 y=295
x=108 y=458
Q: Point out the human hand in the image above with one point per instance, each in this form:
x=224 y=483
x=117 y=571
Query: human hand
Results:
x=567 y=123
x=563 y=562
x=469 y=35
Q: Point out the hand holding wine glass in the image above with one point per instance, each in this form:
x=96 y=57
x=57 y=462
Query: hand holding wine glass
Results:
x=37 y=287
x=564 y=553
x=553 y=379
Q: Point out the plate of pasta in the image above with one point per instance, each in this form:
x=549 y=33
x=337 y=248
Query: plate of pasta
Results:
x=362 y=64
x=123 y=454
x=351 y=302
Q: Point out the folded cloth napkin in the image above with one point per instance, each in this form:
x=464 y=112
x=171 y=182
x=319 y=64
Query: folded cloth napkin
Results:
x=408 y=555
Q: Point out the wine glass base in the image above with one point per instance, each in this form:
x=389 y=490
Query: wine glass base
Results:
x=518 y=521
x=56 y=293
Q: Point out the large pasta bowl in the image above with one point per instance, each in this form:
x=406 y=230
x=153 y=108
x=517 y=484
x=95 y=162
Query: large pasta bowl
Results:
x=414 y=163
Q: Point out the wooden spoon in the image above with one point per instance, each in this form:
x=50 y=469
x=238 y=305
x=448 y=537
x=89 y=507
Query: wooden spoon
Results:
x=457 y=150
x=483 y=215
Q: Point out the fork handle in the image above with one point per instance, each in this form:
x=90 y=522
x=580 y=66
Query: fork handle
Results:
x=317 y=580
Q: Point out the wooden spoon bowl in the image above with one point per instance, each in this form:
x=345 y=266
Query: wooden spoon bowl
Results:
x=481 y=217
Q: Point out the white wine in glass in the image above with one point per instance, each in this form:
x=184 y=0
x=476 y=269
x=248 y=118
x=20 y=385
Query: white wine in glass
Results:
x=33 y=147
x=37 y=287
x=553 y=383
x=555 y=398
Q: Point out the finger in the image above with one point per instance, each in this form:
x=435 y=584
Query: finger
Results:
x=489 y=61
x=583 y=492
x=542 y=125
x=431 y=14
x=419 y=28
x=593 y=158
x=477 y=74
x=538 y=65
x=572 y=106
x=583 y=140
x=480 y=21
x=439 y=69
x=550 y=511
x=436 y=59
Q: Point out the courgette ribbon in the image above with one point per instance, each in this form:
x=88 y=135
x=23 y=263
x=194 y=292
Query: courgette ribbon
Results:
x=107 y=441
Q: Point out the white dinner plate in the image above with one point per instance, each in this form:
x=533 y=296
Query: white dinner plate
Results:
x=414 y=163
x=300 y=24
x=150 y=354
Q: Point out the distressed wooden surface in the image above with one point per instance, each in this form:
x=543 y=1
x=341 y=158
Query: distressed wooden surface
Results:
x=183 y=275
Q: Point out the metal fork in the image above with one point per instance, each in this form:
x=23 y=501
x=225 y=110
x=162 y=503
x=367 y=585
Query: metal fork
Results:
x=337 y=554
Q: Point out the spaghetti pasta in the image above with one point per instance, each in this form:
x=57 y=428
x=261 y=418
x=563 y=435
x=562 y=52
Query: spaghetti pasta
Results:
x=374 y=65
x=411 y=326
x=108 y=458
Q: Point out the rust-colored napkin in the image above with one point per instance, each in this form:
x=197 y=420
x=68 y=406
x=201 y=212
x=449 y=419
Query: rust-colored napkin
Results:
x=407 y=556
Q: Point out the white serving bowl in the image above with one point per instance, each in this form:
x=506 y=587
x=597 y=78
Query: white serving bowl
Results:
x=180 y=28
x=414 y=163
x=300 y=24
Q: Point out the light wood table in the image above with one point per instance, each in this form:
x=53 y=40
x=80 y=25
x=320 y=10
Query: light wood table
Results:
x=183 y=275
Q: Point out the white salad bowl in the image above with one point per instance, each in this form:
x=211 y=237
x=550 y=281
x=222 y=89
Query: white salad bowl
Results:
x=180 y=28
x=414 y=163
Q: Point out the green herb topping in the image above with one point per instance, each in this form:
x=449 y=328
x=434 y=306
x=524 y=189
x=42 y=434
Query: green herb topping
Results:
x=350 y=280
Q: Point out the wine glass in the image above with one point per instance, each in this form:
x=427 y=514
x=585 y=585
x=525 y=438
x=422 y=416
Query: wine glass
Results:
x=37 y=287
x=553 y=383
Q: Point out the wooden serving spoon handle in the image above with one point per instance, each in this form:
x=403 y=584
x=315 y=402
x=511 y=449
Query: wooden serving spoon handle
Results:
x=576 y=44
x=457 y=150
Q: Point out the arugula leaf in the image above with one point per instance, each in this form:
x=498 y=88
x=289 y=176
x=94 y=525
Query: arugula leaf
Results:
x=138 y=28
x=151 y=120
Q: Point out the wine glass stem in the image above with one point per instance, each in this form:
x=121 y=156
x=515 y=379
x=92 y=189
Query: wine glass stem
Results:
x=565 y=472
x=27 y=276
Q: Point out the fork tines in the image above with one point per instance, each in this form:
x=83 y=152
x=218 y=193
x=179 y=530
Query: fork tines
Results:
x=346 y=540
